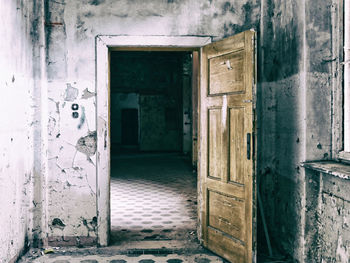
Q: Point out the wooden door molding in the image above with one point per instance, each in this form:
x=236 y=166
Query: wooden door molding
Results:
x=227 y=156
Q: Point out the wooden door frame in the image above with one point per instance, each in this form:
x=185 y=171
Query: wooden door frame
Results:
x=103 y=45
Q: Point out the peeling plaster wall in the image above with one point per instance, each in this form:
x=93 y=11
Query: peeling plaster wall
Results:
x=71 y=28
x=18 y=29
x=55 y=151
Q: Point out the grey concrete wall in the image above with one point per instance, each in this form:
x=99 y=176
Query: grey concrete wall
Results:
x=281 y=139
x=17 y=130
x=327 y=232
x=295 y=111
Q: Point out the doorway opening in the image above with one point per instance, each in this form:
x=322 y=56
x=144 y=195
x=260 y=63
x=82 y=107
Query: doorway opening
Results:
x=153 y=116
x=228 y=86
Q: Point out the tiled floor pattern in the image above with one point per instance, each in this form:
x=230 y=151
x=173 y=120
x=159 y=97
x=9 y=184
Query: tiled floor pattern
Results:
x=153 y=197
x=173 y=258
x=153 y=216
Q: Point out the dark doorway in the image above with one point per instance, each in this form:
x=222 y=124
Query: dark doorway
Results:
x=130 y=127
x=153 y=187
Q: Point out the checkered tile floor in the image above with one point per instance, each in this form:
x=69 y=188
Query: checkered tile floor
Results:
x=153 y=197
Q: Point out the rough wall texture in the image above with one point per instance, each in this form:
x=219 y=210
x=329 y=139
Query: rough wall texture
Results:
x=327 y=223
x=294 y=103
x=281 y=132
x=17 y=27
x=294 y=107
x=71 y=27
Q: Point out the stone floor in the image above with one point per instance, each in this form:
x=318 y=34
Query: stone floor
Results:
x=153 y=197
x=94 y=255
x=153 y=215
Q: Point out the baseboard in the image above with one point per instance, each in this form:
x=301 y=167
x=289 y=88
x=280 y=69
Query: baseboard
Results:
x=70 y=241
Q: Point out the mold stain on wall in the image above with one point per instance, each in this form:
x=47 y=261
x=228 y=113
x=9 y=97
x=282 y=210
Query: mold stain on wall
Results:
x=54 y=43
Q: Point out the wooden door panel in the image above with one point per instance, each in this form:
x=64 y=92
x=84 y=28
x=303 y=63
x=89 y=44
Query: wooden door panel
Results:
x=226 y=170
x=226 y=247
x=237 y=145
x=226 y=213
x=219 y=186
x=214 y=142
x=226 y=73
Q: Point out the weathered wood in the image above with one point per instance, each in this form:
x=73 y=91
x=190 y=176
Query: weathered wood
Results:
x=237 y=145
x=226 y=214
x=226 y=73
x=195 y=109
x=214 y=142
x=226 y=174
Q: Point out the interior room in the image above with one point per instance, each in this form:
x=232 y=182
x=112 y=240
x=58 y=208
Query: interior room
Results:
x=151 y=146
x=174 y=131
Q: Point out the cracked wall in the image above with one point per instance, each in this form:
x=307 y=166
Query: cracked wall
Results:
x=294 y=103
x=294 y=107
x=70 y=31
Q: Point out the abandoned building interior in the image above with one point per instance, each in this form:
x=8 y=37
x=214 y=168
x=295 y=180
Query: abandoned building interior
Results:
x=214 y=126
x=150 y=146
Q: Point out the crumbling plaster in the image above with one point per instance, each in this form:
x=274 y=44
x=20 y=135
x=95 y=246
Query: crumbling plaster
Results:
x=50 y=144
x=71 y=28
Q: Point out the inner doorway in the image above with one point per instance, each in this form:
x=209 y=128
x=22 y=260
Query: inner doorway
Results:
x=227 y=95
x=153 y=186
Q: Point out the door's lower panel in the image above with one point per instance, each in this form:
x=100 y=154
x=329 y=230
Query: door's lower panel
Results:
x=226 y=247
x=227 y=214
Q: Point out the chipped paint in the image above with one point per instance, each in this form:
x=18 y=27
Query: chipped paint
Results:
x=87 y=94
x=71 y=93
x=49 y=151
x=87 y=144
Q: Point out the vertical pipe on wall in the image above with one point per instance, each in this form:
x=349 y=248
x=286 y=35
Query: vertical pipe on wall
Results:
x=346 y=75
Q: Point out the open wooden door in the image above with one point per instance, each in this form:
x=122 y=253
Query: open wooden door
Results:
x=227 y=156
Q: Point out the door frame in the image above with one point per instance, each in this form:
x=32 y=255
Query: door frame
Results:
x=103 y=45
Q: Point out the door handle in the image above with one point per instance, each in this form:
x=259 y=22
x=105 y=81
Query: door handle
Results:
x=248 y=145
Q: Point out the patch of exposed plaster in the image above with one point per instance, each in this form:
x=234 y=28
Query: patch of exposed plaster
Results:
x=87 y=94
x=56 y=222
x=87 y=144
x=342 y=252
x=71 y=93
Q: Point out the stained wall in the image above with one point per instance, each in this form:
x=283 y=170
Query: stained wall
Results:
x=52 y=143
x=19 y=128
x=71 y=28
x=297 y=80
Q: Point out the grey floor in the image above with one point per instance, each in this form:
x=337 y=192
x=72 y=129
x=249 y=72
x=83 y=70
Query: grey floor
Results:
x=153 y=215
x=153 y=197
